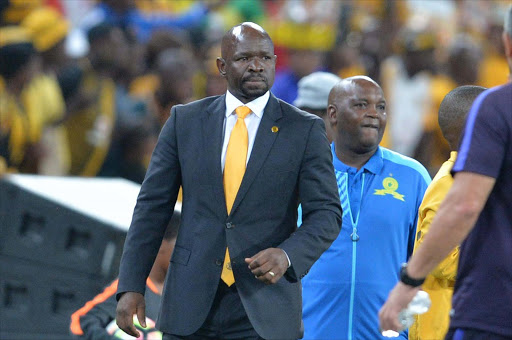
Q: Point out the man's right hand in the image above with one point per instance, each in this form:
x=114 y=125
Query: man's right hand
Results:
x=129 y=304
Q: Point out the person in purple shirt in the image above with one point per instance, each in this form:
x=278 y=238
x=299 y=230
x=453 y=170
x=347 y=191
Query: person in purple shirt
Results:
x=478 y=211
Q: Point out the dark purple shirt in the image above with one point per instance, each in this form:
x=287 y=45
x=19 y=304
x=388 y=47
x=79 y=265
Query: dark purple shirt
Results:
x=483 y=291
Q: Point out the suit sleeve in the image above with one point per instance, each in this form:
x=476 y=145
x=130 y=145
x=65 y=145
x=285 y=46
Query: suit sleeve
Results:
x=321 y=209
x=90 y=321
x=154 y=209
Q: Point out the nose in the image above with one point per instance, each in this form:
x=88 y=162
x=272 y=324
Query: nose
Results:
x=256 y=65
x=372 y=111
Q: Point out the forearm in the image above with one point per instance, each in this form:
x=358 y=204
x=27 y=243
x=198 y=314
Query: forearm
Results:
x=455 y=219
x=446 y=233
x=447 y=269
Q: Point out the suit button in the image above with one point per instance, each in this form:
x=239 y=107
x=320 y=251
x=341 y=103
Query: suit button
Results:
x=218 y=262
x=230 y=225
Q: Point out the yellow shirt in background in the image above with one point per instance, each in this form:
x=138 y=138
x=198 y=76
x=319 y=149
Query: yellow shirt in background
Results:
x=90 y=130
x=44 y=103
x=493 y=71
x=14 y=131
x=46 y=108
x=439 y=283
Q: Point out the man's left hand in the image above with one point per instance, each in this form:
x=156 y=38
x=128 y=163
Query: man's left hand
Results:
x=398 y=300
x=269 y=265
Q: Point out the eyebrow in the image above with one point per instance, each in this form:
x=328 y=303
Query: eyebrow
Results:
x=359 y=99
x=366 y=100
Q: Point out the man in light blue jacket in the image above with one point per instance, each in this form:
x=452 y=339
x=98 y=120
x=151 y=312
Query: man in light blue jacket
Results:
x=380 y=192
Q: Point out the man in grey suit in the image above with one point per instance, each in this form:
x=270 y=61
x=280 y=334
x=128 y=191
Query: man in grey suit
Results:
x=249 y=237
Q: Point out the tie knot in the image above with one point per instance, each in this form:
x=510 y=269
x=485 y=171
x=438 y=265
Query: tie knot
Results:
x=242 y=111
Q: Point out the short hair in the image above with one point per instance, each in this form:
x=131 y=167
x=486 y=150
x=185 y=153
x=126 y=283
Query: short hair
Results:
x=507 y=27
x=14 y=57
x=454 y=108
x=162 y=40
x=16 y=50
x=99 y=31
x=174 y=58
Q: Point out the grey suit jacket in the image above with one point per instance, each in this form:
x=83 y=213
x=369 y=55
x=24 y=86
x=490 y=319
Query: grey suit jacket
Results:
x=288 y=165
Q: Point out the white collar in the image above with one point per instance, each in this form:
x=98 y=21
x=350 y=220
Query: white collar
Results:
x=257 y=105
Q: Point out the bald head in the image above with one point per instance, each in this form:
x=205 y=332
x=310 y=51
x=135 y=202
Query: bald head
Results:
x=348 y=85
x=239 y=33
x=453 y=111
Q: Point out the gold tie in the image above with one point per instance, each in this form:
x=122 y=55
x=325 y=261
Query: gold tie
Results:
x=234 y=169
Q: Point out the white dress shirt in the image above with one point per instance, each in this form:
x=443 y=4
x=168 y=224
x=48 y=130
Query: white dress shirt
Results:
x=252 y=121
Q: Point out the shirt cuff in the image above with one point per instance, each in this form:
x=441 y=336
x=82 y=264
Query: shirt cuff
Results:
x=288 y=258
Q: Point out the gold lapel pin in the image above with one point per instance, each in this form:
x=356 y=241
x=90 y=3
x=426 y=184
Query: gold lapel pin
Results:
x=275 y=129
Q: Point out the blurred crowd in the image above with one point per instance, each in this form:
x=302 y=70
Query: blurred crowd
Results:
x=85 y=86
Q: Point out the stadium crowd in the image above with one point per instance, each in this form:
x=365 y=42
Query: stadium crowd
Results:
x=86 y=85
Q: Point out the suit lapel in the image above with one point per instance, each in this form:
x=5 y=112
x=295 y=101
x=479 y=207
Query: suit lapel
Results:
x=263 y=142
x=213 y=130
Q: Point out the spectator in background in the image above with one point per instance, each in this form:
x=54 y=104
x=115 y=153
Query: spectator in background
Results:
x=464 y=60
x=493 y=69
x=96 y=319
x=380 y=192
x=301 y=62
x=460 y=68
x=12 y=12
x=17 y=69
x=145 y=85
x=313 y=96
x=214 y=83
x=407 y=80
x=90 y=128
x=110 y=136
x=126 y=15
x=49 y=30
x=132 y=137
x=370 y=27
x=45 y=101
x=175 y=69
x=476 y=213
x=346 y=61
x=306 y=31
x=439 y=284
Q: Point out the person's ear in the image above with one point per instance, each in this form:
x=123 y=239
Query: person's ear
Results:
x=221 y=66
x=331 y=114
